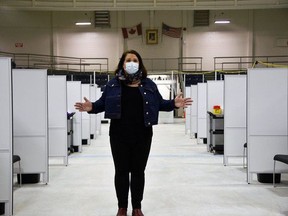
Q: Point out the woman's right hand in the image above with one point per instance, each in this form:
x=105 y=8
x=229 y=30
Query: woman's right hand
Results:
x=83 y=107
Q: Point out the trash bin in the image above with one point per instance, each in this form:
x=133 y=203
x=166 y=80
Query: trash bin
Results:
x=29 y=178
x=268 y=177
x=2 y=208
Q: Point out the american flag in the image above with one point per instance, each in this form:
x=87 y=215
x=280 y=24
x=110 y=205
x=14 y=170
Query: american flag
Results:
x=171 y=31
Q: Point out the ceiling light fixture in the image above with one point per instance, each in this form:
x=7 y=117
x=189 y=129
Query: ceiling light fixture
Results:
x=222 y=21
x=82 y=23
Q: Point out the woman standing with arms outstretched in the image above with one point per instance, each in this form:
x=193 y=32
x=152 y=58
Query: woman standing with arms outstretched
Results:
x=132 y=102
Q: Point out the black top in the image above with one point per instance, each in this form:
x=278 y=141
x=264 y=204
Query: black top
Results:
x=131 y=124
x=132 y=106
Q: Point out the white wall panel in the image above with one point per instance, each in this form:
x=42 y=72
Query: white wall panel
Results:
x=30 y=120
x=264 y=84
x=99 y=115
x=93 y=119
x=262 y=150
x=57 y=123
x=74 y=95
x=193 y=122
x=235 y=104
x=6 y=141
x=202 y=110
x=165 y=91
x=235 y=91
x=187 y=111
x=267 y=110
x=215 y=94
x=77 y=43
x=85 y=116
x=29 y=90
x=6 y=173
x=234 y=139
x=33 y=153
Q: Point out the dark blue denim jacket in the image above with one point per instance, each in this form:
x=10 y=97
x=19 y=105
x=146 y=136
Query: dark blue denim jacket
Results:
x=110 y=101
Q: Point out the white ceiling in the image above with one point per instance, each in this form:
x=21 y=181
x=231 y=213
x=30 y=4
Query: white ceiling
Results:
x=92 y=5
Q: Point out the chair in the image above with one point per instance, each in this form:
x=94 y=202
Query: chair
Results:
x=281 y=158
x=16 y=158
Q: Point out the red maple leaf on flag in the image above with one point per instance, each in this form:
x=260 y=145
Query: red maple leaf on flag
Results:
x=132 y=31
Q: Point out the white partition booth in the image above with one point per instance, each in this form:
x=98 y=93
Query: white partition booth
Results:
x=201 y=111
x=57 y=121
x=187 y=111
x=85 y=91
x=6 y=141
x=165 y=84
x=74 y=95
x=95 y=119
x=267 y=117
x=215 y=96
x=235 y=116
x=193 y=111
x=98 y=115
x=30 y=120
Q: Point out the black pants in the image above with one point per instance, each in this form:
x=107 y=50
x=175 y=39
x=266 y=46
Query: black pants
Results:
x=130 y=159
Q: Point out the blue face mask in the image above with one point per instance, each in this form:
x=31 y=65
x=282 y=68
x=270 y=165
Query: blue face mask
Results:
x=132 y=67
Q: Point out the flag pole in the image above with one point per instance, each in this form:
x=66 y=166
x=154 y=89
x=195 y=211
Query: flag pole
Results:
x=125 y=46
x=162 y=33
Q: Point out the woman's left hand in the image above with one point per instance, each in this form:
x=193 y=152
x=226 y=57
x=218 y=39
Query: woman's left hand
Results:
x=182 y=102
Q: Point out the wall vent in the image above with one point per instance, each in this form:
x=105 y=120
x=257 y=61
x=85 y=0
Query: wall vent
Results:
x=201 y=18
x=102 y=19
x=282 y=42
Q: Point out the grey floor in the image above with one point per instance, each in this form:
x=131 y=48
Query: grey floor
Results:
x=182 y=179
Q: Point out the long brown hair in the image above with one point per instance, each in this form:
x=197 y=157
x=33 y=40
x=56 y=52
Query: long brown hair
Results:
x=141 y=65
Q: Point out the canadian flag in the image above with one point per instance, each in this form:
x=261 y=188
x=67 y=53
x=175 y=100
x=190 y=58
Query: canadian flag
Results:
x=132 y=32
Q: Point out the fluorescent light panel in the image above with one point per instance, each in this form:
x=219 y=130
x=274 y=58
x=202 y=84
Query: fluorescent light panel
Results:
x=83 y=23
x=222 y=21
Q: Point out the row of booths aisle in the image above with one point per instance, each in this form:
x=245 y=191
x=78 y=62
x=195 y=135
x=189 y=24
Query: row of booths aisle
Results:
x=40 y=125
x=242 y=117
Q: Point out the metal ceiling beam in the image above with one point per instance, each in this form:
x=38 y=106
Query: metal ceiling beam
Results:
x=122 y=5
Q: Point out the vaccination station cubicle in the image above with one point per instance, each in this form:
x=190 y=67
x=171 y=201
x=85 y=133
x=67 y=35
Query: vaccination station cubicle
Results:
x=30 y=122
x=57 y=118
x=24 y=127
x=193 y=111
x=215 y=124
x=235 y=116
x=201 y=112
x=254 y=112
x=267 y=117
x=35 y=125
x=200 y=124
